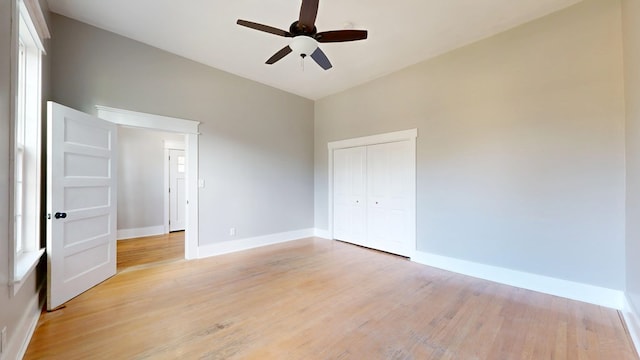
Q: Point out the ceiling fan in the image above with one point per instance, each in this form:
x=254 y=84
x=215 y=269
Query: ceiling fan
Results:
x=305 y=35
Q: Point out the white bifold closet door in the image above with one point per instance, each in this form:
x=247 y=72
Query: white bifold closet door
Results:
x=349 y=189
x=388 y=197
x=372 y=196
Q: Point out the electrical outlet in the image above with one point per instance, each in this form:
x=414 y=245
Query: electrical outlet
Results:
x=232 y=231
x=3 y=340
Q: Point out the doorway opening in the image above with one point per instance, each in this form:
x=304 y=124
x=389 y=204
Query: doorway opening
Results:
x=82 y=194
x=188 y=129
x=151 y=197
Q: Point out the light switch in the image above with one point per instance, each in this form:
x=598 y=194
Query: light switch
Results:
x=201 y=183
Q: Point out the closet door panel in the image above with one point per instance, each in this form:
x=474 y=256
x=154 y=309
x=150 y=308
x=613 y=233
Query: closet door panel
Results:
x=388 y=196
x=349 y=219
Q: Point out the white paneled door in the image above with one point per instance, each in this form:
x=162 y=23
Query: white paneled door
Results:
x=388 y=197
x=349 y=193
x=81 y=202
x=177 y=190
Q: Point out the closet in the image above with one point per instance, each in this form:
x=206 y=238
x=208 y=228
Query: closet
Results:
x=373 y=192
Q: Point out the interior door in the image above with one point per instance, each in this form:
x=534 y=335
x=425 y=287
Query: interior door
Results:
x=177 y=190
x=349 y=208
x=81 y=202
x=388 y=197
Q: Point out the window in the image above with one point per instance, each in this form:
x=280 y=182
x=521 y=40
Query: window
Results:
x=26 y=142
x=181 y=164
x=18 y=192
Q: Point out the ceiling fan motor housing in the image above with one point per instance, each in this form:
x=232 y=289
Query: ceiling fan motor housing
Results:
x=299 y=29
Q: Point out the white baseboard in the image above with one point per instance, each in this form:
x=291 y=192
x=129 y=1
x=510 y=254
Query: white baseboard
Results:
x=250 y=243
x=140 y=232
x=321 y=233
x=568 y=289
x=633 y=322
x=18 y=343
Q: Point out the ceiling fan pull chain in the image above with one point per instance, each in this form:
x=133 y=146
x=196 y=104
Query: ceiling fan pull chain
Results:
x=302 y=63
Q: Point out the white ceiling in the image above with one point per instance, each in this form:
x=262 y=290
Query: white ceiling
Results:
x=401 y=33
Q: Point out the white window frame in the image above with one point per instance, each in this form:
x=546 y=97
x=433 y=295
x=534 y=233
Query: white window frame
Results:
x=25 y=171
x=19 y=148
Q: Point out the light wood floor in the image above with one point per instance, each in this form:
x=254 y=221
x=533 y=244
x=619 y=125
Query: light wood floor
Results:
x=320 y=299
x=133 y=253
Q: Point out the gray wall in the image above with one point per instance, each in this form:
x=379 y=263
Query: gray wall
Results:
x=520 y=155
x=631 y=28
x=256 y=147
x=141 y=177
x=520 y=146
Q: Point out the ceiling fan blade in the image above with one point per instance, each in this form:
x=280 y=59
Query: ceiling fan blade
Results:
x=279 y=55
x=321 y=59
x=265 y=28
x=308 y=13
x=341 y=36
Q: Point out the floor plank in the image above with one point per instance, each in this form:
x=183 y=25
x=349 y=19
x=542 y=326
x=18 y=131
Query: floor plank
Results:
x=320 y=299
x=150 y=250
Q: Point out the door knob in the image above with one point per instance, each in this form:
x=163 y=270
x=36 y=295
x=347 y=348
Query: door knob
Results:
x=60 y=215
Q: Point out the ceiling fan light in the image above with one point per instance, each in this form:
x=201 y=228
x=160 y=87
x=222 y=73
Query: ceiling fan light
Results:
x=303 y=45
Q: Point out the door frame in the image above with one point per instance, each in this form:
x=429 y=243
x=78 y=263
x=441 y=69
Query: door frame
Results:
x=168 y=146
x=405 y=135
x=190 y=130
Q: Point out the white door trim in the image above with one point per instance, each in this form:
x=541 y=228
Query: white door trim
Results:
x=405 y=135
x=148 y=121
x=410 y=134
x=168 y=145
x=169 y=124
